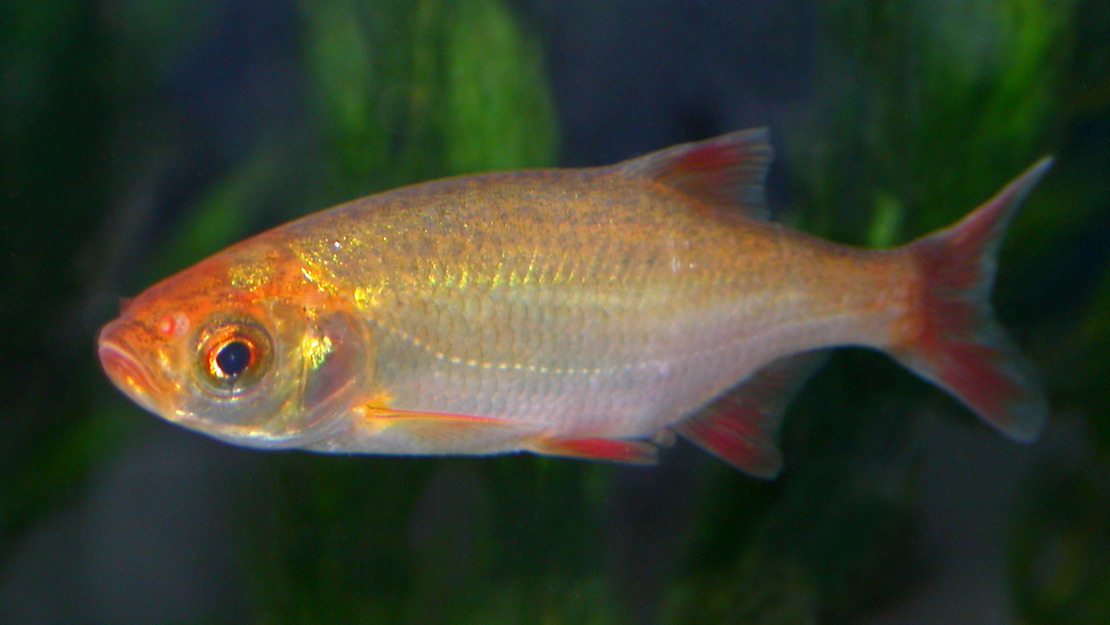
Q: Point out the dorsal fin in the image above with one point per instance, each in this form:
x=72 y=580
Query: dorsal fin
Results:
x=742 y=426
x=725 y=172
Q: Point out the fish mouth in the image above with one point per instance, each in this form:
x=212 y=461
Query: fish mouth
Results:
x=125 y=371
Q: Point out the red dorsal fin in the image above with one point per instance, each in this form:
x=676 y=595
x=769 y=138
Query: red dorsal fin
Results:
x=742 y=426
x=725 y=172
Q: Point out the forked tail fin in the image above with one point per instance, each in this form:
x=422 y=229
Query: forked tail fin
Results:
x=954 y=339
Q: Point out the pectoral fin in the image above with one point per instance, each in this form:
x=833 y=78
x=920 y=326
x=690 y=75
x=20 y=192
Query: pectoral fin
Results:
x=437 y=428
x=742 y=426
x=451 y=433
x=629 y=452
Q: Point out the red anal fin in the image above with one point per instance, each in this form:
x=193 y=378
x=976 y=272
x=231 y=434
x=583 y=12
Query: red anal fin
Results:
x=742 y=426
x=725 y=173
x=629 y=452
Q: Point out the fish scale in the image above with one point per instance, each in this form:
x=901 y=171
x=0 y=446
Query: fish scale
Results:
x=638 y=317
x=584 y=313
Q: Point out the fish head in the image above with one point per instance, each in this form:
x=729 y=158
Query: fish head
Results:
x=263 y=363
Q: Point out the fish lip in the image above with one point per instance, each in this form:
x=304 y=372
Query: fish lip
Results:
x=126 y=371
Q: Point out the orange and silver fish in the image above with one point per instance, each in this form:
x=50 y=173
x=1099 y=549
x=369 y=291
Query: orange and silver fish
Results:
x=590 y=313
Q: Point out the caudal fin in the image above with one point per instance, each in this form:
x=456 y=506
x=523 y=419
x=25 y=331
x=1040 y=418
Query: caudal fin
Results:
x=955 y=340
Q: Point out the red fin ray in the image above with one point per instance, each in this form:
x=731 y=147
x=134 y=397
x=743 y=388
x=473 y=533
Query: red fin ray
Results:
x=742 y=426
x=432 y=426
x=725 y=173
x=610 y=450
x=957 y=343
x=447 y=428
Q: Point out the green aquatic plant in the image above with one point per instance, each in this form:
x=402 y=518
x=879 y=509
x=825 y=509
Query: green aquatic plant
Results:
x=927 y=108
x=921 y=110
x=402 y=92
x=397 y=92
x=47 y=147
x=1060 y=551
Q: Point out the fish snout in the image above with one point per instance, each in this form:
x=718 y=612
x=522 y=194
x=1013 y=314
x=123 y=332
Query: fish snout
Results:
x=125 y=370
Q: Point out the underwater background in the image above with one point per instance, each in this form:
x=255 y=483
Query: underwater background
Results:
x=140 y=136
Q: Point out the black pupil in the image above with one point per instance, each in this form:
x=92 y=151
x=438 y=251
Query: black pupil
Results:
x=233 y=358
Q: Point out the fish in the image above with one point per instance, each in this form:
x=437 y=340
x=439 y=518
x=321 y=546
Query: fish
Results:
x=594 y=313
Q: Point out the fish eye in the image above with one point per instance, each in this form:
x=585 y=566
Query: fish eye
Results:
x=233 y=357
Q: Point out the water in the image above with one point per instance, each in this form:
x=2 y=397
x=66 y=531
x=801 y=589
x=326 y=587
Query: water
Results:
x=141 y=137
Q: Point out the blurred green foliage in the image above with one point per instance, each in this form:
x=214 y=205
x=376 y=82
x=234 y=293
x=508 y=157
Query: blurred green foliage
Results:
x=44 y=445
x=927 y=108
x=407 y=91
x=1061 y=552
x=922 y=110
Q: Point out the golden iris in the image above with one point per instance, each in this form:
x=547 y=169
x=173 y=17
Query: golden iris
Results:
x=234 y=357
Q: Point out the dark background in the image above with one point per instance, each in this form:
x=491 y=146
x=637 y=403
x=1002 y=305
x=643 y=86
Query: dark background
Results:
x=139 y=137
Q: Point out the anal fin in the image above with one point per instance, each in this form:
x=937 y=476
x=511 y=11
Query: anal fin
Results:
x=742 y=426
